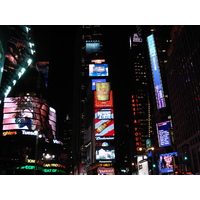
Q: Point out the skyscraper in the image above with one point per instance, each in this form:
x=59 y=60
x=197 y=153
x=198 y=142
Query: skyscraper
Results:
x=93 y=112
x=183 y=77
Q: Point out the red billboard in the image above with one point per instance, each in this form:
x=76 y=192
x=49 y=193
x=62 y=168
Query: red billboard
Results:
x=103 y=104
x=104 y=122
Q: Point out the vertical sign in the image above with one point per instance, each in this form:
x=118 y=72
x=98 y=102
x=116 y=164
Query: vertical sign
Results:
x=156 y=73
x=164 y=133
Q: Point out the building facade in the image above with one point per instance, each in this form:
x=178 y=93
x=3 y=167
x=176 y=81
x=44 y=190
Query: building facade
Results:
x=29 y=143
x=183 y=77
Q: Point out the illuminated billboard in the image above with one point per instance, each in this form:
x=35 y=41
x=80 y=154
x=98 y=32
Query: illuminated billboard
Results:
x=94 y=81
x=136 y=38
x=156 y=73
x=92 y=47
x=106 y=171
x=104 y=122
x=105 y=103
x=105 y=154
x=29 y=113
x=163 y=132
x=98 y=69
x=166 y=162
x=103 y=91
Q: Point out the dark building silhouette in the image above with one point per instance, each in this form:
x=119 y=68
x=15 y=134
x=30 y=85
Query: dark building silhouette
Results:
x=183 y=77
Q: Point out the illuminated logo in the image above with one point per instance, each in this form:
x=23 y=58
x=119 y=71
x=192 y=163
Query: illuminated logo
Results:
x=9 y=133
x=106 y=171
x=35 y=133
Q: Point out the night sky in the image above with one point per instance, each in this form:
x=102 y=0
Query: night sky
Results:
x=55 y=43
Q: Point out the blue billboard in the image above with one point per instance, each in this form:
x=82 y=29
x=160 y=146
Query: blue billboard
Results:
x=92 y=47
x=98 y=69
x=156 y=73
x=166 y=162
x=164 y=138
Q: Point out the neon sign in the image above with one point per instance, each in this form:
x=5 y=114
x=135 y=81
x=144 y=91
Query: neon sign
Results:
x=9 y=133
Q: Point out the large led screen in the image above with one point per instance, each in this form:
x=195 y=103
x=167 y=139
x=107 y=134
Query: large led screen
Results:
x=164 y=138
x=156 y=73
x=103 y=91
x=104 y=122
x=105 y=154
x=29 y=113
x=98 y=69
x=92 y=47
x=103 y=104
x=166 y=162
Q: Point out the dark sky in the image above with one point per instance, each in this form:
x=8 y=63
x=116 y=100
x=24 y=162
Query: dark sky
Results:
x=55 y=43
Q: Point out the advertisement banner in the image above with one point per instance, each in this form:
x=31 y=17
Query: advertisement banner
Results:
x=105 y=154
x=103 y=91
x=92 y=47
x=164 y=138
x=156 y=73
x=166 y=162
x=98 y=69
x=103 y=104
x=104 y=122
x=29 y=113
x=106 y=171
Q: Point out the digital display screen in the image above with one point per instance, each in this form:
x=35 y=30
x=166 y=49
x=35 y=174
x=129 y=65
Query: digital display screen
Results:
x=98 y=69
x=105 y=153
x=165 y=163
x=156 y=73
x=29 y=113
x=103 y=104
x=92 y=47
x=104 y=113
x=94 y=81
x=164 y=138
x=104 y=122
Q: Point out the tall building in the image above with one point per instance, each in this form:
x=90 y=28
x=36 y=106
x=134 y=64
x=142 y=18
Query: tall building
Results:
x=183 y=77
x=17 y=52
x=29 y=143
x=94 y=136
x=158 y=40
x=140 y=97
